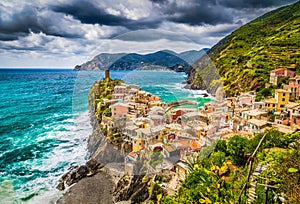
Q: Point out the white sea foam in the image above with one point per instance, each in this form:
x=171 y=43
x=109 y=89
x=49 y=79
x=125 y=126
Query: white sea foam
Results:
x=72 y=151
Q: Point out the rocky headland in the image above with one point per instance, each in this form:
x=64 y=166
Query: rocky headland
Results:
x=102 y=179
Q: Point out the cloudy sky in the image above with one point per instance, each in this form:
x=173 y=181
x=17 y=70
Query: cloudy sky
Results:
x=63 y=33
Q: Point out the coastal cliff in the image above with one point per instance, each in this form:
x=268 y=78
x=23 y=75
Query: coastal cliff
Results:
x=102 y=178
x=100 y=147
x=203 y=75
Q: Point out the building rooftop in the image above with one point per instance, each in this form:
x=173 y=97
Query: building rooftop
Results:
x=258 y=123
x=192 y=114
x=189 y=143
x=157 y=128
x=117 y=94
x=156 y=108
x=270 y=100
x=156 y=117
x=281 y=91
x=174 y=126
x=255 y=112
x=277 y=70
x=120 y=87
x=169 y=147
x=120 y=104
x=131 y=127
x=292 y=105
x=258 y=102
x=284 y=129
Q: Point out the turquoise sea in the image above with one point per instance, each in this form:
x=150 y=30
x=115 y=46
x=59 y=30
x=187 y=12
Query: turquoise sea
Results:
x=44 y=124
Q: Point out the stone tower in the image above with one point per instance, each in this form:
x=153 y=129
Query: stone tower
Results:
x=106 y=76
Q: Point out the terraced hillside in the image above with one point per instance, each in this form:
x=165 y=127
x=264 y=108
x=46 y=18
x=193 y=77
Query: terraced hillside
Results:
x=246 y=56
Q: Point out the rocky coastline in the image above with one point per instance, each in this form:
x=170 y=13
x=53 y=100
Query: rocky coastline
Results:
x=102 y=178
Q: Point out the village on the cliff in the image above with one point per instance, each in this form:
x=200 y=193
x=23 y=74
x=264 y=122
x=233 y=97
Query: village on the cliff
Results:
x=177 y=132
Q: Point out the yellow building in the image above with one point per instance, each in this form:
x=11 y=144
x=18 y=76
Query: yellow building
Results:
x=138 y=144
x=278 y=103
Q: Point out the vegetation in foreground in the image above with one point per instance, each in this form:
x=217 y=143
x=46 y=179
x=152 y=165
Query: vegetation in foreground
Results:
x=219 y=172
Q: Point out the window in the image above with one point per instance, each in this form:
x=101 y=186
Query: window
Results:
x=281 y=106
x=273 y=105
x=283 y=94
x=283 y=99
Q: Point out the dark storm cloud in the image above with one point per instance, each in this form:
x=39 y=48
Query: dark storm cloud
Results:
x=89 y=13
x=27 y=20
x=57 y=19
x=19 y=24
x=211 y=12
x=199 y=13
x=11 y=36
x=159 y=1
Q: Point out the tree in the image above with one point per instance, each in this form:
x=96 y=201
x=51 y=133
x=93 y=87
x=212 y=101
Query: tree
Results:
x=218 y=158
x=221 y=146
x=237 y=146
x=107 y=112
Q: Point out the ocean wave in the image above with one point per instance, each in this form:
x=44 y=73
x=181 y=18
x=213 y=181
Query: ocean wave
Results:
x=42 y=161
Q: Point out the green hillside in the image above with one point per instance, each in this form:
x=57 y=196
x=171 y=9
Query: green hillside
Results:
x=245 y=57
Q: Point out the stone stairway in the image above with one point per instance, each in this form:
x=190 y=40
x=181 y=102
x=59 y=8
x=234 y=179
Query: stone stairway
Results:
x=252 y=190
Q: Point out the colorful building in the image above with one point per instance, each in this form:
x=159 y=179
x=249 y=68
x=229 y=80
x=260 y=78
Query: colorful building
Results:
x=119 y=110
x=138 y=144
x=293 y=110
x=254 y=114
x=278 y=74
x=120 y=89
x=245 y=100
x=278 y=103
x=294 y=87
x=256 y=126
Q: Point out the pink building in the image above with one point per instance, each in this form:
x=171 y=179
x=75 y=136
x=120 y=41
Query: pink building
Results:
x=118 y=96
x=277 y=75
x=245 y=100
x=294 y=113
x=120 y=89
x=157 y=119
x=119 y=110
x=291 y=115
x=294 y=87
